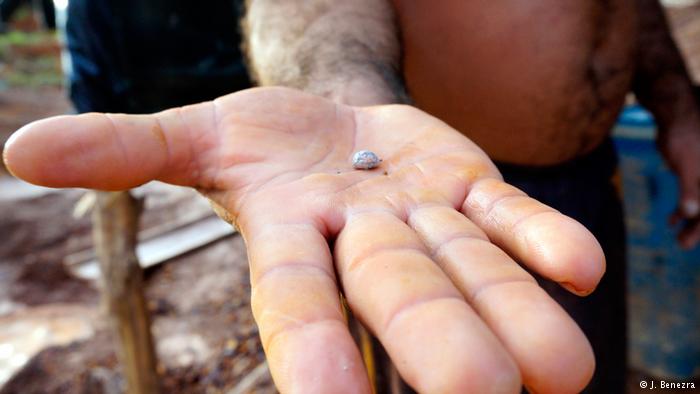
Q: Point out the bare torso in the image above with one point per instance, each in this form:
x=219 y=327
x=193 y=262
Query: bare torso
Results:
x=532 y=82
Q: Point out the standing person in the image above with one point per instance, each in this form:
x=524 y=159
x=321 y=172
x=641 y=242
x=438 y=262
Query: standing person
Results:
x=537 y=85
x=145 y=56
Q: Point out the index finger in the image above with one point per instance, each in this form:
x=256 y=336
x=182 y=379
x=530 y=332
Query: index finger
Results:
x=296 y=305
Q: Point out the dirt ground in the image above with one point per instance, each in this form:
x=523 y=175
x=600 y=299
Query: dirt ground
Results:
x=206 y=337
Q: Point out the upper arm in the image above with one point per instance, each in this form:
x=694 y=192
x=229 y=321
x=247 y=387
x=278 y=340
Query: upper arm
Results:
x=662 y=82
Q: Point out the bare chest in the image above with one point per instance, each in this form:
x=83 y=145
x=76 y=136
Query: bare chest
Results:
x=510 y=72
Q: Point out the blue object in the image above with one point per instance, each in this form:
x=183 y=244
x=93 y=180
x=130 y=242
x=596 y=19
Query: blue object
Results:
x=663 y=279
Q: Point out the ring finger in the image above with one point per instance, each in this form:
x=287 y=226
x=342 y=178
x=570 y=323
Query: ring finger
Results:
x=551 y=351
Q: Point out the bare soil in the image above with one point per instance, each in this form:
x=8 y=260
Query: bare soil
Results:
x=206 y=338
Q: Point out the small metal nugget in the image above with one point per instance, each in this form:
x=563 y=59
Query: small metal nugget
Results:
x=365 y=160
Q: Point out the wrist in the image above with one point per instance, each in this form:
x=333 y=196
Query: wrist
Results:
x=361 y=91
x=689 y=122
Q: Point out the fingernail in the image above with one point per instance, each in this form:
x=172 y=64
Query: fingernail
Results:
x=571 y=288
x=691 y=208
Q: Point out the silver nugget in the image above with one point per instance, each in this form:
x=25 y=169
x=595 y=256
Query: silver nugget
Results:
x=365 y=160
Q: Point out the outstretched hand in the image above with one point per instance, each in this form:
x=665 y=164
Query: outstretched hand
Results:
x=425 y=247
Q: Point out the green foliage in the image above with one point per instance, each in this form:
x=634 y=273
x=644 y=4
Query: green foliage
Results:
x=25 y=60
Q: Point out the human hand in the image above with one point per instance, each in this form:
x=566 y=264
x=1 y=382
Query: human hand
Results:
x=680 y=145
x=423 y=247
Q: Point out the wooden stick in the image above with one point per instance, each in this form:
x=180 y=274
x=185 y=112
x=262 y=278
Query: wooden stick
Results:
x=382 y=373
x=247 y=384
x=158 y=249
x=115 y=229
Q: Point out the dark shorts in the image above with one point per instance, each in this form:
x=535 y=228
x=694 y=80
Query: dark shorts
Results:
x=583 y=189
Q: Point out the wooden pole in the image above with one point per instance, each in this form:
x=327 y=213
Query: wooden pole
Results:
x=115 y=230
x=382 y=374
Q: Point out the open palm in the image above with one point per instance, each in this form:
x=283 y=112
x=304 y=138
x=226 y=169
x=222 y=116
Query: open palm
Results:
x=424 y=247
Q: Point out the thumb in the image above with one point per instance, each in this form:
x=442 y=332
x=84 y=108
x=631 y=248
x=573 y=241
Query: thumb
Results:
x=105 y=151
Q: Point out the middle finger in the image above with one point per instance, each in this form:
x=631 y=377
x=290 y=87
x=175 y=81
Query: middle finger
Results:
x=416 y=312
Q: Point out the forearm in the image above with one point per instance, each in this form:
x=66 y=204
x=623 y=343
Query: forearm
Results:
x=347 y=51
x=662 y=83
